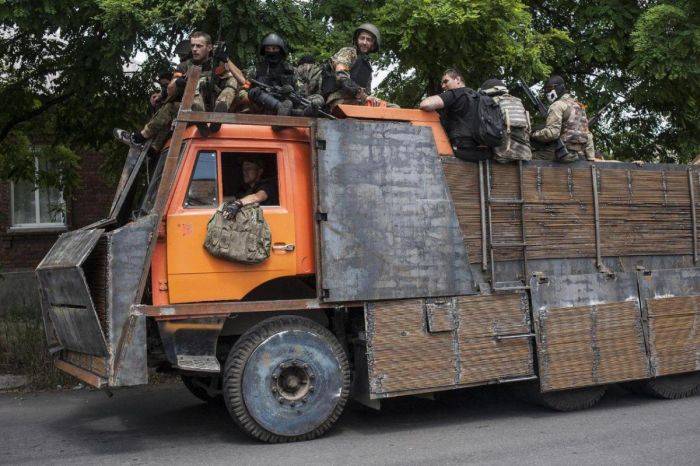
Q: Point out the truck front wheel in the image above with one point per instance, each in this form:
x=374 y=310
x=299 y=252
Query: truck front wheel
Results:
x=286 y=379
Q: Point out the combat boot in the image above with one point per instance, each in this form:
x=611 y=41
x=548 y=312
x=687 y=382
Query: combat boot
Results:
x=220 y=107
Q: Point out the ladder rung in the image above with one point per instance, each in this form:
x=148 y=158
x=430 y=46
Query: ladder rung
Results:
x=501 y=200
x=496 y=287
x=509 y=245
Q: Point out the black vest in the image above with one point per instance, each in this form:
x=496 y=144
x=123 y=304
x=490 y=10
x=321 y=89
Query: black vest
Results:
x=360 y=73
x=275 y=75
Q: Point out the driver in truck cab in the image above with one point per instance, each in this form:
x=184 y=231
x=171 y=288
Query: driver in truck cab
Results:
x=255 y=188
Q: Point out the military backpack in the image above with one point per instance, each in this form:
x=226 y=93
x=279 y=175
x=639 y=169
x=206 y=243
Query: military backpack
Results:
x=516 y=145
x=243 y=238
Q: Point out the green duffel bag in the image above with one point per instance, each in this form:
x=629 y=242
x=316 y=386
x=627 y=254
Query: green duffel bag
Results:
x=244 y=237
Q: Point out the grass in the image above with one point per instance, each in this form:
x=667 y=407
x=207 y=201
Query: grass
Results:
x=23 y=350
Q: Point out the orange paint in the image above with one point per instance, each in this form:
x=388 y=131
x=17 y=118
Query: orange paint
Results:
x=180 y=261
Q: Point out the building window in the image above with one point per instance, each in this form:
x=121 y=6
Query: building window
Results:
x=37 y=207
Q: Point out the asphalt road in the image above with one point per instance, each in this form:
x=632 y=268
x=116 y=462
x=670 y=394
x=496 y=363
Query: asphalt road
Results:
x=166 y=425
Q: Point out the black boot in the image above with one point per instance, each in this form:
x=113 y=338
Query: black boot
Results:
x=220 y=107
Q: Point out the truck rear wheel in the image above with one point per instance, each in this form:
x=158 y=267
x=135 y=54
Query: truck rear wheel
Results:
x=563 y=400
x=286 y=379
x=670 y=387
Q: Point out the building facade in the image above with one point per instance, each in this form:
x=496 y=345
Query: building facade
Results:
x=31 y=220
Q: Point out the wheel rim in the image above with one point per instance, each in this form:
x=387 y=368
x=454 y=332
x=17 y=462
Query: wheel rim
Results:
x=292 y=382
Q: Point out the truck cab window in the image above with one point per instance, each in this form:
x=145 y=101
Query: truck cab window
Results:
x=202 y=190
x=245 y=173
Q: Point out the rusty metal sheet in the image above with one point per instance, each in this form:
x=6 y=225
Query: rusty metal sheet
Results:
x=127 y=333
x=388 y=228
x=77 y=329
x=480 y=339
x=589 y=330
x=132 y=165
x=70 y=249
x=671 y=306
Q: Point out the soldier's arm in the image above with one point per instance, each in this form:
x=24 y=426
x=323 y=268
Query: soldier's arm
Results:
x=259 y=197
x=342 y=62
x=552 y=128
x=434 y=102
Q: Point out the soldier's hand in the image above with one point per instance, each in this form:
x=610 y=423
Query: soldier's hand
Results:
x=231 y=209
x=374 y=101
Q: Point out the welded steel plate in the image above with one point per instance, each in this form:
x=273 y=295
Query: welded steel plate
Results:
x=387 y=224
x=671 y=306
x=589 y=330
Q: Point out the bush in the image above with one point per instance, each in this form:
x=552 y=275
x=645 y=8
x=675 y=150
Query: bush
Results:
x=23 y=350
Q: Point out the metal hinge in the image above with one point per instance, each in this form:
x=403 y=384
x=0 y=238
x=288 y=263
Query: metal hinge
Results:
x=321 y=217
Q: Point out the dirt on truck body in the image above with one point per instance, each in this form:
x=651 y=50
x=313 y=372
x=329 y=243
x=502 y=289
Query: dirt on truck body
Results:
x=395 y=269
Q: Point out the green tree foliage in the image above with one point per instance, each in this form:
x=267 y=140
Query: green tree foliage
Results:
x=67 y=75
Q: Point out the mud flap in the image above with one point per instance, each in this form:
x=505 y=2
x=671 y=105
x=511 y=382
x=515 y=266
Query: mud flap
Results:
x=671 y=309
x=589 y=330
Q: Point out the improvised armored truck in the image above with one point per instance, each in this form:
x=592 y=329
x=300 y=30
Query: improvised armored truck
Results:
x=395 y=269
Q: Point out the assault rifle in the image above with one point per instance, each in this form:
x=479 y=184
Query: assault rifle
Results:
x=290 y=94
x=559 y=147
x=594 y=119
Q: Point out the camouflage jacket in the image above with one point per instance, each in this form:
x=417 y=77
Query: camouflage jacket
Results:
x=557 y=118
x=308 y=78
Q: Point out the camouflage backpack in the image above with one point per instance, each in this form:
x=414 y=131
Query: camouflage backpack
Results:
x=244 y=238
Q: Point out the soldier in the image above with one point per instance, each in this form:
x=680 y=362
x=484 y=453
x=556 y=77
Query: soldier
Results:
x=308 y=76
x=272 y=70
x=457 y=107
x=217 y=90
x=517 y=122
x=347 y=79
x=566 y=119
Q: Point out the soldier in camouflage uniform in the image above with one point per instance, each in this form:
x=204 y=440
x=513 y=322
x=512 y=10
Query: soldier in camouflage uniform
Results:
x=216 y=90
x=516 y=145
x=566 y=119
x=309 y=77
x=347 y=79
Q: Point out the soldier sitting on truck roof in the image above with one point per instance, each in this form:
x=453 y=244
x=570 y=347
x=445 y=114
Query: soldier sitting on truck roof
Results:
x=566 y=119
x=516 y=144
x=457 y=111
x=215 y=88
x=347 y=78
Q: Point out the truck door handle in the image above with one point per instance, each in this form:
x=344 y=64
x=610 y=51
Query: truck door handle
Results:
x=283 y=247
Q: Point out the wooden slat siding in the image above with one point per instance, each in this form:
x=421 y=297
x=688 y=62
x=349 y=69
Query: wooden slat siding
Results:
x=463 y=182
x=403 y=355
x=483 y=357
x=642 y=212
x=607 y=346
x=93 y=364
x=674 y=334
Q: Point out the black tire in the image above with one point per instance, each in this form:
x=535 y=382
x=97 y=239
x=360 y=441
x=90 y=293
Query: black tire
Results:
x=670 y=387
x=257 y=390
x=564 y=400
x=195 y=386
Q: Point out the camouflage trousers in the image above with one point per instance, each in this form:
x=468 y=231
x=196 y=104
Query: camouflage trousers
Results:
x=225 y=91
x=158 y=127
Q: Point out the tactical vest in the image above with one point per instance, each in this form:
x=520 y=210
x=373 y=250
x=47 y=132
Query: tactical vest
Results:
x=246 y=238
x=279 y=75
x=516 y=145
x=360 y=73
x=574 y=133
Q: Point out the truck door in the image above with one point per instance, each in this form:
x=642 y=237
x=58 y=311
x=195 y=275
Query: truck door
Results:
x=211 y=175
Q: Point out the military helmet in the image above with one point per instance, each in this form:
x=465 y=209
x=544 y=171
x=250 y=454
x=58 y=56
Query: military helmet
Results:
x=274 y=39
x=493 y=82
x=556 y=82
x=372 y=29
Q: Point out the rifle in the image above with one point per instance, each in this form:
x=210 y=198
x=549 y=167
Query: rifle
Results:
x=594 y=119
x=559 y=147
x=293 y=96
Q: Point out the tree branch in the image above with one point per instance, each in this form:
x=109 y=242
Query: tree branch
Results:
x=7 y=127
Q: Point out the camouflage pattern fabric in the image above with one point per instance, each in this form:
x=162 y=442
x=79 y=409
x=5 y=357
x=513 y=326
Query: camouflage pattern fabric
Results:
x=516 y=144
x=346 y=57
x=308 y=77
x=158 y=127
x=558 y=122
x=246 y=238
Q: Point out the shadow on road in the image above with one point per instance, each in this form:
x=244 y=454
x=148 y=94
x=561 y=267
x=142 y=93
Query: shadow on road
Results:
x=138 y=419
